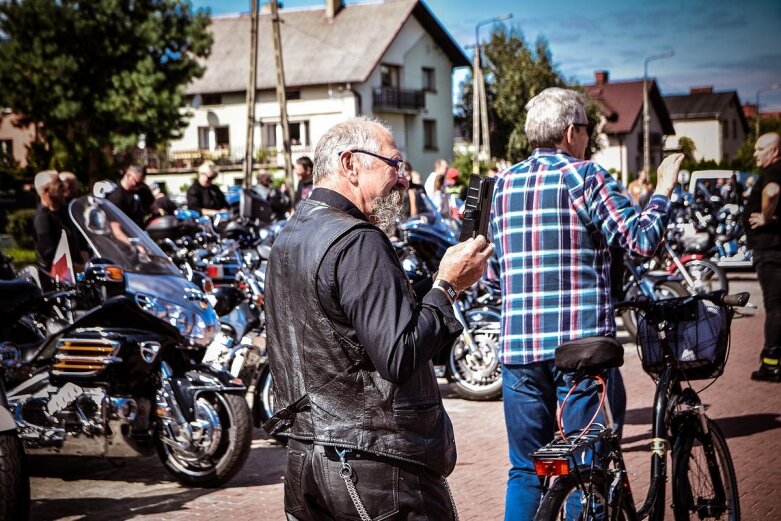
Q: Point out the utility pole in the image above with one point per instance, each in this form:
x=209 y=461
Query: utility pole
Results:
x=476 y=105
x=281 y=94
x=646 y=113
x=479 y=101
x=484 y=116
x=251 y=90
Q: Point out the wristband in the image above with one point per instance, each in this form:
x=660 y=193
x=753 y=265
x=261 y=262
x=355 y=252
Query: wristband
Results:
x=448 y=288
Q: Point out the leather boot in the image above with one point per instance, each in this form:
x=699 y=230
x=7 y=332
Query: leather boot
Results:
x=769 y=365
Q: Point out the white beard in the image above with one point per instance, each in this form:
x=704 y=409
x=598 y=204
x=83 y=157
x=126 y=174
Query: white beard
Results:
x=386 y=210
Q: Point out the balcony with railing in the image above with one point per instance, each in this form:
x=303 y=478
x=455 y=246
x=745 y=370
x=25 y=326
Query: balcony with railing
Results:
x=393 y=99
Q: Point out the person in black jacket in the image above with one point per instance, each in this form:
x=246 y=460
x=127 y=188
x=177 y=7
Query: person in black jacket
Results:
x=51 y=219
x=204 y=196
x=132 y=195
x=350 y=348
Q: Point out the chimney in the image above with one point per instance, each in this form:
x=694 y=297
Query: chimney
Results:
x=708 y=89
x=600 y=77
x=332 y=8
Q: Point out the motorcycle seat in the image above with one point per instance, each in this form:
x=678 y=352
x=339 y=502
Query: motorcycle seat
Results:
x=18 y=297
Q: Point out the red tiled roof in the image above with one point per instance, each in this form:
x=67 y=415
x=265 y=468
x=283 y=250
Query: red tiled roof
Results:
x=622 y=104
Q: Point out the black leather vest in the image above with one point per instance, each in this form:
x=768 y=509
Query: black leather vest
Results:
x=326 y=386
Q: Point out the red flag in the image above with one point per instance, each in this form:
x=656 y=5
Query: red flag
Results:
x=62 y=265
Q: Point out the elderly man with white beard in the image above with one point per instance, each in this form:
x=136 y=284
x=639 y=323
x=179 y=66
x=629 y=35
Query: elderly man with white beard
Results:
x=350 y=348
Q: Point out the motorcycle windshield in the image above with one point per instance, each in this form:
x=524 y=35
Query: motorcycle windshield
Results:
x=112 y=235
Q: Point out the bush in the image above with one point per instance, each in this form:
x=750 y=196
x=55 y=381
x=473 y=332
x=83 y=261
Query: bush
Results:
x=20 y=227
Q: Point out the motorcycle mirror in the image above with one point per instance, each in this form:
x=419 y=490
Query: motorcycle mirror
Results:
x=96 y=220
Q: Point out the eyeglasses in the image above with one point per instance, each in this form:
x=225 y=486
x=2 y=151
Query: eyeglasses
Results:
x=397 y=164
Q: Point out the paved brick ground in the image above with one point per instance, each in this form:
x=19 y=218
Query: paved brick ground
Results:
x=748 y=412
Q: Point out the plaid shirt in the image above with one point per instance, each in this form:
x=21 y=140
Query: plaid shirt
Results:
x=553 y=220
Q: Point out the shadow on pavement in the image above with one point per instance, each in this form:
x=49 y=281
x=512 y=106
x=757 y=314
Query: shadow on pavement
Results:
x=739 y=426
x=86 y=508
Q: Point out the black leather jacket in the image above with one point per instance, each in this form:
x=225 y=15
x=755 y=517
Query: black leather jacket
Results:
x=328 y=388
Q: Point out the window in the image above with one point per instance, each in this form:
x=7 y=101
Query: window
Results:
x=429 y=85
x=299 y=133
x=212 y=99
x=7 y=148
x=724 y=130
x=222 y=137
x=429 y=134
x=203 y=138
x=213 y=137
x=293 y=94
x=268 y=135
x=389 y=75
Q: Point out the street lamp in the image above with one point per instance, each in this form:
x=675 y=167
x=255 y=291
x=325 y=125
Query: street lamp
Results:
x=646 y=114
x=479 y=102
x=775 y=86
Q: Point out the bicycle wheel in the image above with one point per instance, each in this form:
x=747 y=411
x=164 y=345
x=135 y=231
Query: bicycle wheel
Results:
x=704 y=484
x=706 y=277
x=581 y=495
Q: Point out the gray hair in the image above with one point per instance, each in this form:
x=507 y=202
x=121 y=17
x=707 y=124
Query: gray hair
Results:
x=44 y=179
x=549 y=113
x=207 y=168
x=359 y=132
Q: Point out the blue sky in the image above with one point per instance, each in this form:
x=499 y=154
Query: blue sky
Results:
x=732 y=45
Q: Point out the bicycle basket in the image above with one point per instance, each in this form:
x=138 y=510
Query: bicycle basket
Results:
x=698 y=335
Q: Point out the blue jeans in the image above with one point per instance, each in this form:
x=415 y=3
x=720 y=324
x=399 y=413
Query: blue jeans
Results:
x=531 y=394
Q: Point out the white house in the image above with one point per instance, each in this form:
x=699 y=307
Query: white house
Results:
x=391 y=59
x=714 y=121
x=621 y=103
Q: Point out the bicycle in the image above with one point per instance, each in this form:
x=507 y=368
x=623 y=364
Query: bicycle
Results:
x=680 y=339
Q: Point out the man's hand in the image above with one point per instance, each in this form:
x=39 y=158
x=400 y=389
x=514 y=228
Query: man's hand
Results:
x=757 y=220
x=667 y=174
x=464 y=263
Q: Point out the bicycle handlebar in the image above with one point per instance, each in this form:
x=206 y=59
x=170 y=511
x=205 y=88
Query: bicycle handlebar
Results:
x=643 y=303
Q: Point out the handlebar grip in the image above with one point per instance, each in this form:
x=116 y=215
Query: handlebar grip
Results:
x=737 y=300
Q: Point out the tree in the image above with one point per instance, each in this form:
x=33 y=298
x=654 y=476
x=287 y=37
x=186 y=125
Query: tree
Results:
x=93 y=76
x=515 y=72
x=687 y=146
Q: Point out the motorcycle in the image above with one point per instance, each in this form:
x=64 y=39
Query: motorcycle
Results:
x=471 y=364
x=111 y=366
x=14 y=482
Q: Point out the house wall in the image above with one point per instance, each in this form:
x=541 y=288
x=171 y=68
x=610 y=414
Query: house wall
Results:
x=624 y=152
x=413 y=50
x=19 y=137
x=705 y=133
x=324 y=106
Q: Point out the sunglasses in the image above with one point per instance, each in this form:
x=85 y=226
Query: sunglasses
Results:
x=397 y=164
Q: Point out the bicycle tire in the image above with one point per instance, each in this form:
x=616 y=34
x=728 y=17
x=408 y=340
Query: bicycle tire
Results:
x=696 y=455
x=707 y=277
x=553 y=504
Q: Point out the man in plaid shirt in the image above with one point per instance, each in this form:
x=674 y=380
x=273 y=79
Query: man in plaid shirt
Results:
x=555 y=216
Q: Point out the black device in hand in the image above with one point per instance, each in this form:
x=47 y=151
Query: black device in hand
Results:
x=477 y=207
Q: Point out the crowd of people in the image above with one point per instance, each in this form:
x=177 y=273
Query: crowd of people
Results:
x=350 y=345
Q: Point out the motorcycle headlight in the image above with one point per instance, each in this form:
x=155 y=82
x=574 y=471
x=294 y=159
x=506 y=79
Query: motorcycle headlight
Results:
x=198 y=328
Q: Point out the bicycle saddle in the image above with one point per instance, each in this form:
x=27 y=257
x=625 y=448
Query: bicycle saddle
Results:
x=590 y=354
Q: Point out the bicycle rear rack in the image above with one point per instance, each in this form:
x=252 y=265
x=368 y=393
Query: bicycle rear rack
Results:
x=553 y=459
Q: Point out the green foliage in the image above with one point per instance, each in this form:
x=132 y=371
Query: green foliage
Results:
x=686 y=144
x=21 y=257
x=20 y=227
x=515 y=72
x=95 y=75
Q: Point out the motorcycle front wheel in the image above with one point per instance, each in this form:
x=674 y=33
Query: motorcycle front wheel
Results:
x=219 y=450
x=14 y=483
x=475 y=373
